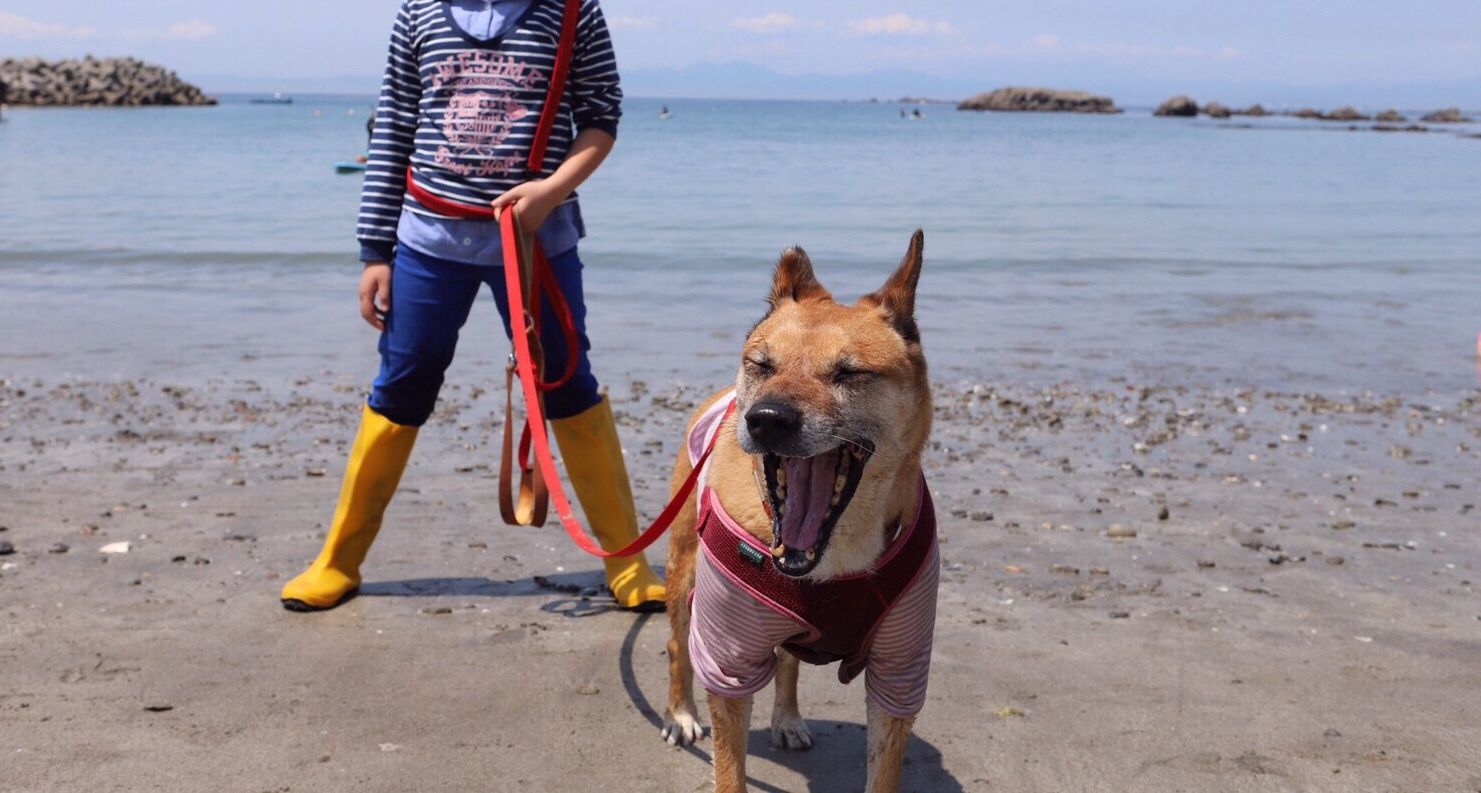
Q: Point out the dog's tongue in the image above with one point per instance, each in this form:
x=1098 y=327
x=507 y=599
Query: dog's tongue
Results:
x=809 y=489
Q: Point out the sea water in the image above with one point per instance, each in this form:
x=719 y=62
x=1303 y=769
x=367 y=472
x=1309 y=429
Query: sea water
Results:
x=1266 y=253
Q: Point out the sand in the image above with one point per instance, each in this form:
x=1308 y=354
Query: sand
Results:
x=1159 y=589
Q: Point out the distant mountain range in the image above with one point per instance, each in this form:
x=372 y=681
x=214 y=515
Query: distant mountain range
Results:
x=738 y=80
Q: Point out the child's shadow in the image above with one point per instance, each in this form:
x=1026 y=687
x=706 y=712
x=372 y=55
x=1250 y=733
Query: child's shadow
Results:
x=587 y=595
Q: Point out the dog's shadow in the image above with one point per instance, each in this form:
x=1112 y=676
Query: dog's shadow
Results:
x=835 y=764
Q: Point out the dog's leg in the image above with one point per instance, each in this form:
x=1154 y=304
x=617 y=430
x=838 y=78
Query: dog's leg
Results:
x=887 y=738
x=681 y=720
x=731 y=720
x=788 y=729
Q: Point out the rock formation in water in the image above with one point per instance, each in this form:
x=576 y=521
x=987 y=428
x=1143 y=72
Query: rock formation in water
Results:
x=1256 y=109
x=1216 y=110
x=1347 y=113
x=1177 y=106
x=1039 y=100
x=1390 y=117
x=117 y=82
x=1450 y=115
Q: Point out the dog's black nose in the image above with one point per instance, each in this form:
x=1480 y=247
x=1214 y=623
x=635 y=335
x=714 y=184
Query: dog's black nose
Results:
x=773 y=424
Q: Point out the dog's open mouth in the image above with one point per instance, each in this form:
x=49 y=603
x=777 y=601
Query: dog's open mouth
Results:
x=807 y=495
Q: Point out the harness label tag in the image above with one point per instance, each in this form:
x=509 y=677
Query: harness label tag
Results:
x=750 y=554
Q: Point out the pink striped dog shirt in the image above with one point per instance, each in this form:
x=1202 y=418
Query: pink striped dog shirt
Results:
x=880 y=622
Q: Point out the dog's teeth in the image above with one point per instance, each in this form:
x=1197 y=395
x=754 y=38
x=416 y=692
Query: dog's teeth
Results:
x=781 y=492
x=833 y=502
x=778 y=550
x=810 y=554
x=839 y=483
x=781 y=476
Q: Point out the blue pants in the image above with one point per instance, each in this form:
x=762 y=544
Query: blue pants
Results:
x=430 y=300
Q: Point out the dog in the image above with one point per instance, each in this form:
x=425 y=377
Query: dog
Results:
x=813 y=536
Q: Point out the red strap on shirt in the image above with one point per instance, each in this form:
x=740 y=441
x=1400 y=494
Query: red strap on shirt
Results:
x=558 y=73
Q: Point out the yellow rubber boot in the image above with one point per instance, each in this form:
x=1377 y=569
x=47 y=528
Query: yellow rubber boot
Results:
x=376 y=462
x=588 y=442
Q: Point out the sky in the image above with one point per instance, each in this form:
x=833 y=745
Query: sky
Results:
x=1144 y=48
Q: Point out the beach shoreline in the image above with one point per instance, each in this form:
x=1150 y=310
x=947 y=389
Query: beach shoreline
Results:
x=1306 y=616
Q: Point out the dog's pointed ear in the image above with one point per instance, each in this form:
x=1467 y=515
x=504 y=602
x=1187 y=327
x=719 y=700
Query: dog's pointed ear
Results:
x=897 y=297
x=794 y=279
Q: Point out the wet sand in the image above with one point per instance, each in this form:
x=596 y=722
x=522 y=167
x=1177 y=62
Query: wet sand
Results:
x=1145 y=588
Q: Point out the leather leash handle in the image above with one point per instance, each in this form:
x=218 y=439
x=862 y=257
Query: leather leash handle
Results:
x=532 y=505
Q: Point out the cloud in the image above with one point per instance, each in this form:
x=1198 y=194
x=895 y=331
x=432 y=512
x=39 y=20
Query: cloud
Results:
x=190 y=30
x=775 y=22
x=899 y=25
x=630 y=23
x=1044 y=42
x=17 y=26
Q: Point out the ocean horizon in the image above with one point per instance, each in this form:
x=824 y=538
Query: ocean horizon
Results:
x=1273 y=252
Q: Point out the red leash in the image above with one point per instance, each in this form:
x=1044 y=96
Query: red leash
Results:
x=523 y=329
x=525 y=363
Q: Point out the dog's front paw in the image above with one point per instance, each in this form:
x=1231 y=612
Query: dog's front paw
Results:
x=790 y=732
x=682 y=729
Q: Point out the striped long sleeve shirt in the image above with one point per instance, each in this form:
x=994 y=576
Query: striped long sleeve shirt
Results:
x=462 y=112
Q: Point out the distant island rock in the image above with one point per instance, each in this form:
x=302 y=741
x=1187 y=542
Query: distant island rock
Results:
x=1177 y=106
x=1216 y=110
x=1390 y=117
x=1039 y=100
x=109 y=82
x=1185 y=106
x=1450 y=115
x=1348 y=113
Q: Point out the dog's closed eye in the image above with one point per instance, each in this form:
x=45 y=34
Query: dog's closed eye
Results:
x=759 y=365
x=852 y=374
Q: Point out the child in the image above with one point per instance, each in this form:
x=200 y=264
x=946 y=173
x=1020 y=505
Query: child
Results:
x=464 y=87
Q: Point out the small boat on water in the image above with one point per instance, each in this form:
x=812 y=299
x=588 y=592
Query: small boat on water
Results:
x=664 y=113
x=350 y=167
x=275 y=99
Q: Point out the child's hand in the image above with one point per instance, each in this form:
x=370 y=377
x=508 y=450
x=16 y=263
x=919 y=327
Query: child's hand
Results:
x=375 y=293
x=535 y=199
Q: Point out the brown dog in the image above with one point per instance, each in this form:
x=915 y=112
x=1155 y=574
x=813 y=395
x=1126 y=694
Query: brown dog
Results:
x=813 y=534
